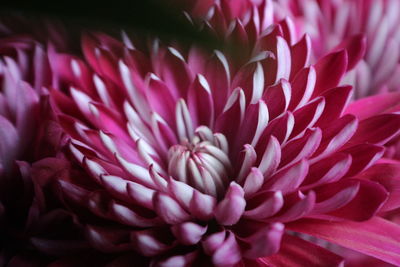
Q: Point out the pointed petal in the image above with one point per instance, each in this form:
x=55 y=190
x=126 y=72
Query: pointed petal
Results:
x=330 y=70
x=377 y=237
x=295 y=252
x=231 y=208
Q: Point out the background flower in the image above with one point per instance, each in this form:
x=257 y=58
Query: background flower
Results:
x=329 y=23
x=26 y=135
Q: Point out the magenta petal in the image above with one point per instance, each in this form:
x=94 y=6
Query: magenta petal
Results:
x=161 y=99
x=8 y=143
x=370 y=198
x=271 y=157
x=202 y=206
x=336 y=100
x=377 y=130
x=306 y=116
x=355 y=46
x=296 y=252
x=338 y=200
x=188 y=233
x=231 y=208
x=178 y=260
x=327 y=170
x=330 y=70
x=212 y=242
x=363 y=156
x=218 y=76
x=376 y=104
x=175 y=72
x=302 y=87
x=388 y=175
x=230 y=120
x=148 y=243
x=228 y=252
x=377 y=237
x=263 y=205
x=74 y=193
x=200 y=102
x=301 y=148
x=288 y=180
x=126 y=216
x=277 y=98
x=253 y=182
x=301 y=207
x=301 y=53
x=335 y=135
x=181 y=191
x=264 y=242
x=169 y=209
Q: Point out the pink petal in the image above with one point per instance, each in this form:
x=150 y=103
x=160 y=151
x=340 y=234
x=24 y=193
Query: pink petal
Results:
x=264 y=242
x=200 y=102
x=335 y=135
x=212 y=242
x=388 y=175
x=230 y=209
x=355 y=47
x=253 y=182
x=178 y=260
x=307 y=116
x=188 y=233
x=288 y=179
x=336 y=100
x=169 y=209
x=228 y=252
x=295 y=252
x=232 y=117
x=330 y=70
x=148 y=242
x=271 y=157
x=8 y=143
x=377 y=130
x=263 y=205
x=301 y=206
x=327 y=170
x=218 y=76
x=280 y=128
x=342 y=195
x=301 y=148
x=363 y=156
x=175 y=73
x=376 y=104
x=161 y=99
x=277 y=98
x=202 y=206
x=369 y=199
x=376 y=237
x=300 y=55
x=302 y=87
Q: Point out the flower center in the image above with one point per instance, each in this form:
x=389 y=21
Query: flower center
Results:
x=202 y=162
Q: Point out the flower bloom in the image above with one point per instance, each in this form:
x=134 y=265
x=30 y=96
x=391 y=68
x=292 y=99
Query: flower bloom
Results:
x=186 y=158
x=25 y=137
x=330 y=23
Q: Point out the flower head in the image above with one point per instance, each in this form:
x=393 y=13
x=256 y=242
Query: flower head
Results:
x=26 y=136
x=187 y=158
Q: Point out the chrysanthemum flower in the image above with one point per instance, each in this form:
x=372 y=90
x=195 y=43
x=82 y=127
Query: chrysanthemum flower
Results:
x=188 y=158
x=329 y=23
x=26 y=136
